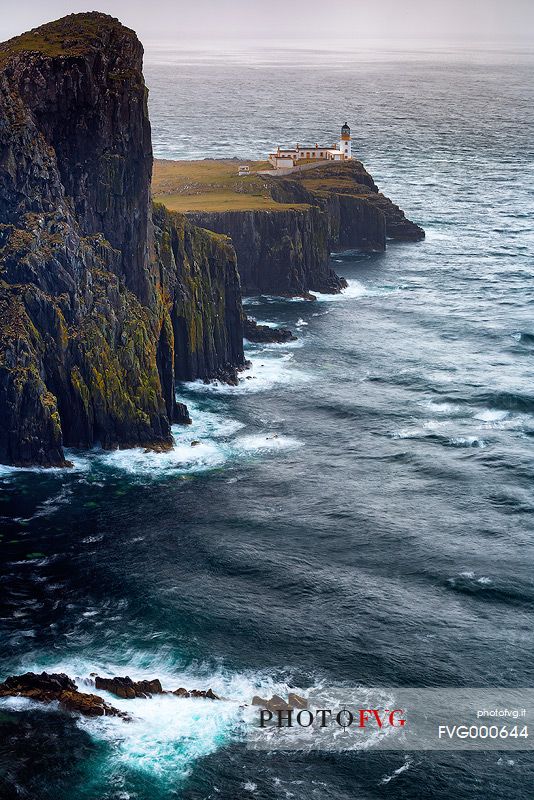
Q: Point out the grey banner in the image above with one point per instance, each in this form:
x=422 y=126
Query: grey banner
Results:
x=394 y=719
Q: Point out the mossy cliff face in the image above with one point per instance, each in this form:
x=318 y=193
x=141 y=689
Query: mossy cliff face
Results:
x=288 y=251
x=202 y=297
x=87 y=313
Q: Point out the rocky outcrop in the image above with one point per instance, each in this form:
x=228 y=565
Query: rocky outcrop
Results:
x=58 y=687
x=287 y=250
x=360 y=215
x=264 y=334
x=98 y=315
x=206 y=694
x=127 y=688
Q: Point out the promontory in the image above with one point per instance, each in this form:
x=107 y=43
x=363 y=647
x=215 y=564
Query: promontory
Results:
x=107 y=299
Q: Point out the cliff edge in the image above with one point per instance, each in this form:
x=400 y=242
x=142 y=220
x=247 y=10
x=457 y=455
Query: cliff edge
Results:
x=103 y=302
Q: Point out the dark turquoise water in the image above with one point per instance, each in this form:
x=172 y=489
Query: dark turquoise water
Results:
x=359 y=511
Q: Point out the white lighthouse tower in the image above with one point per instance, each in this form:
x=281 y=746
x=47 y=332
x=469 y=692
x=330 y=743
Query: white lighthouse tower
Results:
x=345 y=144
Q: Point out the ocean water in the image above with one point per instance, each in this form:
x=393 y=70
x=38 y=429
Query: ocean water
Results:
x=359 y=510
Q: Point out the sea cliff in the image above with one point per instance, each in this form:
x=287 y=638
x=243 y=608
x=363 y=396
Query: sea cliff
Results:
x=107 y=299
x=282 y=252
x=103 y=302
x=286 y=250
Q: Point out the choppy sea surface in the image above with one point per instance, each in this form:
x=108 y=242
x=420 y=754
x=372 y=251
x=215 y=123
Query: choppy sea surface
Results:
x=359 y=510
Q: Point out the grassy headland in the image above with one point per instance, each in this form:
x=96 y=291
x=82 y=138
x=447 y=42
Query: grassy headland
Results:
x=64 y=37
x=213 y=185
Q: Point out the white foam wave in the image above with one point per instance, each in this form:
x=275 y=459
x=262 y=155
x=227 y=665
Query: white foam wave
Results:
x=395 y=774
x=274 y=348
x=256 y=443
x=438 y=428
x=49 y=506
x=184 y=457
x=273 y=298
x=491 y=415
x=271 y=366
x=461 y=426
x=167 y=734
x=467 y=441
x=471 y=577
x=79 y=464
x=354 y=289
x=209 y=443
x=441 y=408
x=406 y=433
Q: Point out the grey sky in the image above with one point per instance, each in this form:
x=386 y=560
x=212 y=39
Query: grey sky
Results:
x=450 y=20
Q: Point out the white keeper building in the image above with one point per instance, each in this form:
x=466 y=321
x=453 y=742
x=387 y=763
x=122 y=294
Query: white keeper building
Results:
x=284 y=158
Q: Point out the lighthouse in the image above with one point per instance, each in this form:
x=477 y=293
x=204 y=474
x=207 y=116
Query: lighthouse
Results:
x=309 y=154
x=345 y=144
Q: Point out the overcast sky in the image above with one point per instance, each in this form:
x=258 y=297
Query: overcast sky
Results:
x=449 y=20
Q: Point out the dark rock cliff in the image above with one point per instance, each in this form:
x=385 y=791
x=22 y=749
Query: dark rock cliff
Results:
x=202 y=294
x=99 y=313
x=278 y=252
x=287 y=251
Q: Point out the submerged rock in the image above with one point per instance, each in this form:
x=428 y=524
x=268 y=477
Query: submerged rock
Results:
x=209 y=694
x=264 y=334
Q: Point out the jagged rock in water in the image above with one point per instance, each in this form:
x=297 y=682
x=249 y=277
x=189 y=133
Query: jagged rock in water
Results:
x=47 y=688
x=50 y=687
x=265 y=334
x=258 y=701
x=296 y=701
x=277 y=703
x=181 y=414
x=287 y=250
x=208 y=694
x=96 y=319
x=127 y=688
